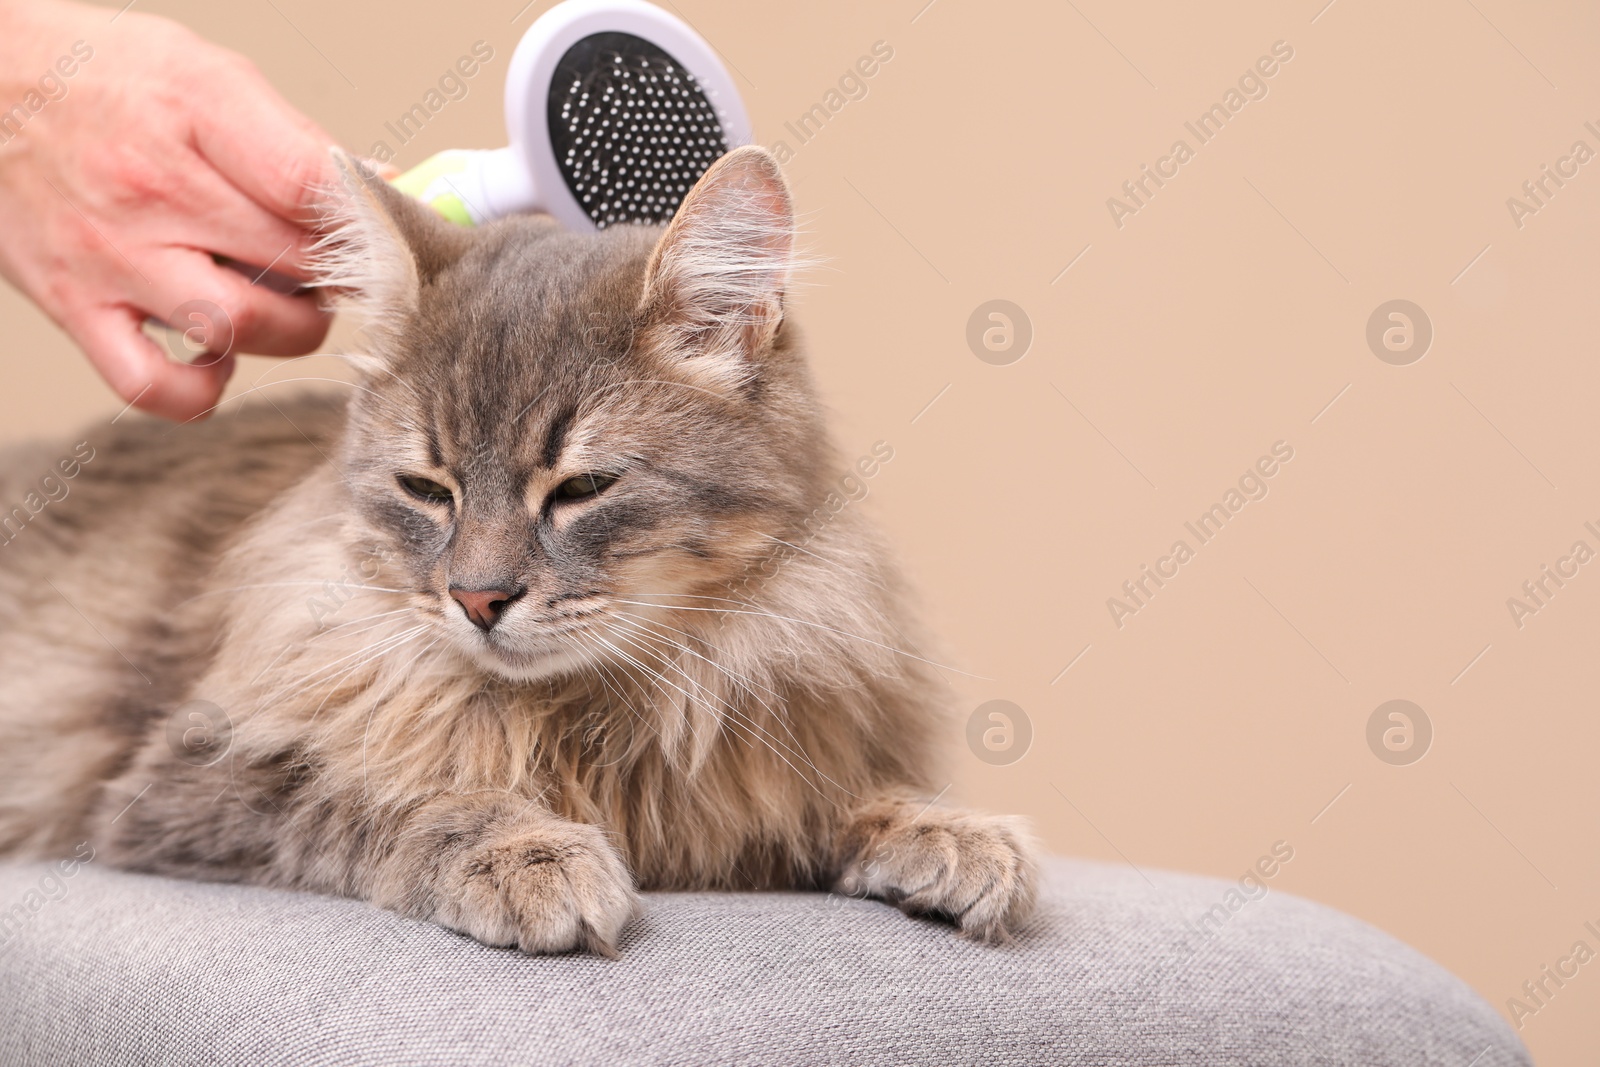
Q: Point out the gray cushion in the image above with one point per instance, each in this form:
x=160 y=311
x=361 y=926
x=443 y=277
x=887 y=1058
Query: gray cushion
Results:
x=124 y=969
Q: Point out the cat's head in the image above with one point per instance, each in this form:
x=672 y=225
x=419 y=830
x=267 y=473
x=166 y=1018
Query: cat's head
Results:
x=558 y=437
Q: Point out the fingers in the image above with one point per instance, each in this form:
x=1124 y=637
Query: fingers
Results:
x=220 y=311
x=270 y=152
x=216 y=314
x=141 y=371
x=223 y=220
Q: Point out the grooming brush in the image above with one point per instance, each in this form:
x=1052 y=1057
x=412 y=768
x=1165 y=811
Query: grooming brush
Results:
x=615 y=108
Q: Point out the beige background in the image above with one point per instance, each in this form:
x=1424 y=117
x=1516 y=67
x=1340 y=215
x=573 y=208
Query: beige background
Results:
x=1224 y=316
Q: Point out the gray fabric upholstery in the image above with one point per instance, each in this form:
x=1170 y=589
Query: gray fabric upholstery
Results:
x=124 y=969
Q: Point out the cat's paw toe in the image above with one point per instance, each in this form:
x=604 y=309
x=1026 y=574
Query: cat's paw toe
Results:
x=975 y=870
x=546 y=890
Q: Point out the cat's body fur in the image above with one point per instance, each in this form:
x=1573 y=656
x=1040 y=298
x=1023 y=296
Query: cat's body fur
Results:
x=663 y=704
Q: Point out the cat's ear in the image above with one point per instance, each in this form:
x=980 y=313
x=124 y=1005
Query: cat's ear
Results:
x=713 y=296
x=379 y=246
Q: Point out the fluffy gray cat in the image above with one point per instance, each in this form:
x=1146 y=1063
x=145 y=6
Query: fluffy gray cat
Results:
x=548 y=611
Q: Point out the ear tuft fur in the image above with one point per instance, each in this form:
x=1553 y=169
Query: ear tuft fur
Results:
x=715 y=285
x=378 y=246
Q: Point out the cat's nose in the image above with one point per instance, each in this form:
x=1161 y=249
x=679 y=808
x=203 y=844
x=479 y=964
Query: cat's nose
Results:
x=485 y=606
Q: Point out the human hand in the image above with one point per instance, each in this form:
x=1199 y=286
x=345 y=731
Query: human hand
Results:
x=133 y=156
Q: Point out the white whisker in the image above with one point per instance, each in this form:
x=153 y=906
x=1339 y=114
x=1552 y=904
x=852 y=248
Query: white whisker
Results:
x=740 y=682
x=832 y=563
x=802 y=622
x=738 y=717
x=274 y=585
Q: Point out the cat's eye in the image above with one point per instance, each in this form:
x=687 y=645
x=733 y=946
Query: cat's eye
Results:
x=426 y=489
x=584 y=486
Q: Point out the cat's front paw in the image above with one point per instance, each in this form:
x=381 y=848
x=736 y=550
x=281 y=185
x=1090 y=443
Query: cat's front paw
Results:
x=976 y=870
x=551 y=887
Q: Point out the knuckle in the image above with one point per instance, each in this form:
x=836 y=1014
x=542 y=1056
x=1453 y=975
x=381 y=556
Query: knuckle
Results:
x=295 y=181
x=123 y=386
x=240 y=316
x=127 y=386
x=231 y=62
x=313 y=331
x=62 y=288
x=188 y=51
x=130 y=180
x=212 y=321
